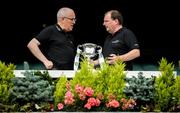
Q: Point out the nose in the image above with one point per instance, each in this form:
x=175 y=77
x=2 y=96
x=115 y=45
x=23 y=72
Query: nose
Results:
x=103 y=23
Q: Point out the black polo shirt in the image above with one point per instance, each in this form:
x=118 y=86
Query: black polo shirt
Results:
x=120 y=43
x=57 y=46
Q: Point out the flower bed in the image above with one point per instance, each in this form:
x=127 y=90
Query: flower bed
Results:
x=107 y=89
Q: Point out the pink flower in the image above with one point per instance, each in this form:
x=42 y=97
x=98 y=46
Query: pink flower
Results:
x=98 y=102
x=60 y=106
x=113 y=103
x=107 y=105
x=69 y=101
x=92 y=101
x=128 y=104
x=89 y=91
x=88 y=106
x=69 y=98
x=79 y=89
x=69 y=94
x=82 y=96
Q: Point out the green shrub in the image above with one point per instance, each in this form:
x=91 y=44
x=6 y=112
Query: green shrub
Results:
x=164 y=87
x=141 y=89
x=6 y=74
x=31 y=92
x=176 y=94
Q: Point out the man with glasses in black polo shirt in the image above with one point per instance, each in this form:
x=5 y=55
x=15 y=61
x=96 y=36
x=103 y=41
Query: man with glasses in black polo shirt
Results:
x=53 y=46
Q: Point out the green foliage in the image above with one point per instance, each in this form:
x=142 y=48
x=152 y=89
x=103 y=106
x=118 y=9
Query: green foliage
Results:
x=6 y=74
x=32 y=90
x=108 y=81
x=45 y=75
x=35 y=91
x=177 y=90
x=111 y=80
x=85 y=76
x=164 y=86
x=140 y=89
x=167 y=70
x=26 y=65
x=60 y=90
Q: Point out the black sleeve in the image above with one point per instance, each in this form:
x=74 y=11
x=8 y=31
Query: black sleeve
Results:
x=44 y=35
x=131 y=40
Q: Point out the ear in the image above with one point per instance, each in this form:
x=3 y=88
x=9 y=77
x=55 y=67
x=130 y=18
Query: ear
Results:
x=116 y=20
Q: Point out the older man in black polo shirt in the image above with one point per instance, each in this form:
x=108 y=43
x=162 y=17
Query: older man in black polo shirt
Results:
x=58 y=50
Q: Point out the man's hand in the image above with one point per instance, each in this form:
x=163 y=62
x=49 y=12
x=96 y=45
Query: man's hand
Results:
x=48 y=64
x=94 y=62
x=112 y=59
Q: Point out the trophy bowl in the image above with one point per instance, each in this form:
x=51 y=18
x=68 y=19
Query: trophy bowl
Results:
x=88 y=51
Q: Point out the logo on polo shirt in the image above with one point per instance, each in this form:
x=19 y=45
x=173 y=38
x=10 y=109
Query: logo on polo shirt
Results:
x=136 y=45
x=115 y=41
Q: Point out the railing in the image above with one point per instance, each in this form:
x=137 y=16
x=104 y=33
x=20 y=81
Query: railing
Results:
x=71 y=73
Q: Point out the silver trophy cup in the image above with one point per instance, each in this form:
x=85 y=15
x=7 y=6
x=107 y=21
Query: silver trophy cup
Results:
x=88 y=51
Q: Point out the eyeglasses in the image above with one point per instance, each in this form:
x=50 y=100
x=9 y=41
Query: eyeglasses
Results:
x=72 y=19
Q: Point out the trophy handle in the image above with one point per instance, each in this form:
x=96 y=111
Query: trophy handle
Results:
x=101 y=58
x=76 y=59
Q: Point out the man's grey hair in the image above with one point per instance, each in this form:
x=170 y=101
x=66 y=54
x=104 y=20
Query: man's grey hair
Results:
x=63 y=12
